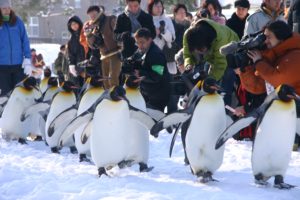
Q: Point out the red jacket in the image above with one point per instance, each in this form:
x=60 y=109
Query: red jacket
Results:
x=280 y=65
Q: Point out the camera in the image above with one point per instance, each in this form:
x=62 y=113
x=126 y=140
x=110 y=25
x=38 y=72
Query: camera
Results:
x=237 y=53
x=132 y=63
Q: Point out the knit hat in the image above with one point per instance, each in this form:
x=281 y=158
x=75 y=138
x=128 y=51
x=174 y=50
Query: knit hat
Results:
x=242 y=3
x=5 y=4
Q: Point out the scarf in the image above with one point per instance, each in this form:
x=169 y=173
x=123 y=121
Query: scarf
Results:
x=135 y=24
x=6 y=18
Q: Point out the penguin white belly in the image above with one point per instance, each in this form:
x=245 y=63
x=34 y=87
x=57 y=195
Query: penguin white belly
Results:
x=88 y=99
x=207 y=124
x=61 y=102
x=109 y=130
x=274 y=140
x=50 y=93
x=138 y=138
x=19 y=100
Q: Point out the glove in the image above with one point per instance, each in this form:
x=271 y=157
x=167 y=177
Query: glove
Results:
x=72 y=70
x=27 y=66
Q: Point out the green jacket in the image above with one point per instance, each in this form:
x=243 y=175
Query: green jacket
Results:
x=217 y=61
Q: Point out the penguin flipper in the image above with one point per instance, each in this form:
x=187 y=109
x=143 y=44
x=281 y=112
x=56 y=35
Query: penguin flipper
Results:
x=86 y=132
x=234 y=129
x=155 y=114
x=3 y=100
x=174 y=139
x=141 y=117
x=73 y=125
x=36 y=108
x=298 y=126
x=171 y=119
x=61 y=120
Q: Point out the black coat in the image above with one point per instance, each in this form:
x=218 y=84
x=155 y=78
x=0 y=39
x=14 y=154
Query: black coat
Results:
x=124 y=25
x=237 y=25
x=155 y=87
x=294 y=14
x=76 y=52
x=179 y=31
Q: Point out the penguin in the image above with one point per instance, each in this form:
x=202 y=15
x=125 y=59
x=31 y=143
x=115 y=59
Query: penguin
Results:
x=275 y=134
x=108 y=119
x=22 y=97
x=62 y=111
x=44 y=81
x=138 y=138
x=204 y=107
x=93 y=91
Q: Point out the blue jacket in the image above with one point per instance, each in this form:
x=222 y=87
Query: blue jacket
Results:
x=14 y=44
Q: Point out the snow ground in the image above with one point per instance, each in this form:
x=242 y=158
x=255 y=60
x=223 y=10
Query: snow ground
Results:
x=32 y=172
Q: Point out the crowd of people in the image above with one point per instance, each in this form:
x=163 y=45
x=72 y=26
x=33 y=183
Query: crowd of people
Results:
x=160 y=48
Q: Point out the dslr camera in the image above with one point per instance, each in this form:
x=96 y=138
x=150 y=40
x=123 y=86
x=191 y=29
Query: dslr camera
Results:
x=237 y=53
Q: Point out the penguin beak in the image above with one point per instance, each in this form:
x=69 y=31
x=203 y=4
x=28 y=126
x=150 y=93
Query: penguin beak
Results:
x=138 y=80
x=216 y=87
x=294 y=96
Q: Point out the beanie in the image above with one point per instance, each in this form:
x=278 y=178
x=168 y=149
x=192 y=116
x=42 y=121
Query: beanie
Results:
x=5 y=4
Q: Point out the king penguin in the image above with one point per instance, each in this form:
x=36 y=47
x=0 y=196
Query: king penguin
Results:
x=275 y=134
x=138 y=138
x=204 y=108
x=63 y=101
x=93 y=91
x=22 y=97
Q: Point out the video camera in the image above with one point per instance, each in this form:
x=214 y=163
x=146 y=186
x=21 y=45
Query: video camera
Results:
x=237 y=52
x=132 y=63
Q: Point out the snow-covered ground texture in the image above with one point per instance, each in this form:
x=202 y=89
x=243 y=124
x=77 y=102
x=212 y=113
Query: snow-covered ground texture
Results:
x=32 y=172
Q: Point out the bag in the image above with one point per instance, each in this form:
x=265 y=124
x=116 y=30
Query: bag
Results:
x=171 y=52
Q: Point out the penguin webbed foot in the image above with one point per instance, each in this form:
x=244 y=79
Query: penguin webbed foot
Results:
x=144 y=167
x=101 y=171
x=125 y=163
x=205 y=177
x=261 y=180
x=73 y=150
x=280 y=184
x=55 y=150
x=22 y=141
x=83 y=158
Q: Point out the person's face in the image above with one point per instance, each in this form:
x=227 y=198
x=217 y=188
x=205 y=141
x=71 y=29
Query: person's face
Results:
x=271 y=40
x=33 y=53
x=157 y=9
x=74 y=26
x=93 y=15
x=241 y=12
x=143 y=43
x=133 y=6
x=5 y=11
x=274 y=5
x=211 y=10
x=180 y=15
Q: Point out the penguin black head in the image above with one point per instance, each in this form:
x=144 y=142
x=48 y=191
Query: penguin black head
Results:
x=210 y=85
x=118 y=93
x=52 y=82
x=69 y=86
x=287 y=93
x=29 y=83
x=132 y=82
x=47 y=72
x=96 y=81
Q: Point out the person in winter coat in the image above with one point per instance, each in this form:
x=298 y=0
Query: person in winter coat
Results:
x=279 y=64
x=155 y=84
x=180 y=23
x=132 y=19
x=15 y=57
x=238 y=19
x=75 y=51
x=61 y=62
x=270 y=10
x=205 y=38
x=214 y=11
x=93 y=54
x=109 y=49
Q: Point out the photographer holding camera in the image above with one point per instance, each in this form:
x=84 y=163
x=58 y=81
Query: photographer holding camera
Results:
x=155 y=84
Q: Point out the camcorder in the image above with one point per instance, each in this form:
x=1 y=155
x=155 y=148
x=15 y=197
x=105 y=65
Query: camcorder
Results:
x=237 y=52
x=132 y=63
